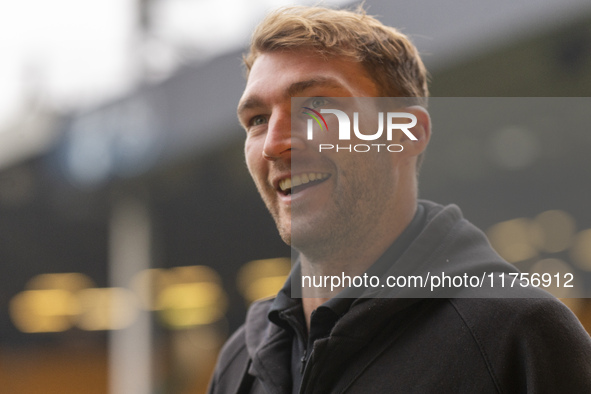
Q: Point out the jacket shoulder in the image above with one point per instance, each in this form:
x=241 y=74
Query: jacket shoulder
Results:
x=534 y=343
x=232 y=361
x=234 y=358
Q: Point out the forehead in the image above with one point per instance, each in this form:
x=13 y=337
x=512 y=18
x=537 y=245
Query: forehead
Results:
x=273 y=74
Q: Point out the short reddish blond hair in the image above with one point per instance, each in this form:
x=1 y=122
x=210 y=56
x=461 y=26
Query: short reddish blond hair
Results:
x=389 y=57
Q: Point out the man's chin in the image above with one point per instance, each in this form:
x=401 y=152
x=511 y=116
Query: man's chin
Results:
x=295 y=239
x=303 y=239
x=286 y=238
x=299 y=235
x=284 y=232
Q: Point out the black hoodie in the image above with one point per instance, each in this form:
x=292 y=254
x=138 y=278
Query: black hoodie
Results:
x=517 y=340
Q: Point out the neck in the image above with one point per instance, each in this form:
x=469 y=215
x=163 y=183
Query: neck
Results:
x=354 y=260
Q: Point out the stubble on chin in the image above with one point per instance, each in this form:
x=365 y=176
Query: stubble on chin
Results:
x=284 y=231
x=282 y=223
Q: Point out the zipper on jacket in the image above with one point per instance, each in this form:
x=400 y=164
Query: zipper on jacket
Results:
x=305 y=371
x=302 y=338
x=304 y=360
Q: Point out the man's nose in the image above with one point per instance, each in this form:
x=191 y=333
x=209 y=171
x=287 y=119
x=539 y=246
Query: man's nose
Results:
x=278 y=139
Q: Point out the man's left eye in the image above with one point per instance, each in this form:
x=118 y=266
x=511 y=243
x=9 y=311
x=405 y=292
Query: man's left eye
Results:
x=318 y=102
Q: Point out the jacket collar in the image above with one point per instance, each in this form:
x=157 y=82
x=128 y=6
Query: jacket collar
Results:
x=447 y=242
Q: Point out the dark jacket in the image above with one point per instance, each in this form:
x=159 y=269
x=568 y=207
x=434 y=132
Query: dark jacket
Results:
x=419 y=345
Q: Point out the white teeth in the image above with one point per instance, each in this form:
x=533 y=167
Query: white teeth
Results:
x=301 y=179
x=285 y=184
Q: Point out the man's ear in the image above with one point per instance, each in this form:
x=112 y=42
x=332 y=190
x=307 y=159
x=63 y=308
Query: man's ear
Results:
x=421 y=131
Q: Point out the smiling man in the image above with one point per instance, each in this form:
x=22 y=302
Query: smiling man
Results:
x=365 y=200
x=356 y=215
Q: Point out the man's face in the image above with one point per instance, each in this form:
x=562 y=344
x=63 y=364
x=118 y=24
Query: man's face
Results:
x=340 y=192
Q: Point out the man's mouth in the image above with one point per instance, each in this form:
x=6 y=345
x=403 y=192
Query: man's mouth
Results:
x=299 y=182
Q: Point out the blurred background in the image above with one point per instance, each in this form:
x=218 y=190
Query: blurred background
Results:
x=132 y=238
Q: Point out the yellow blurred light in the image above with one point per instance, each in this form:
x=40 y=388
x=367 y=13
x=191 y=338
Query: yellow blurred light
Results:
x=149 y=284
x=184 y=305
x=264 y=287
x=186 y=318
x=193 y=274
x=185 y=297
x=263 y=278
x=557 y=231
x=189 y=295
x=106 y=309
x=71 y=281
x=556 y=267
x=581 y=250
x=515 y=240
x=43 y=310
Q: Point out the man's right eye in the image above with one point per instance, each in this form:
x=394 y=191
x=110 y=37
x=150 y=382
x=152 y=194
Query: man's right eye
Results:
x=258 y=120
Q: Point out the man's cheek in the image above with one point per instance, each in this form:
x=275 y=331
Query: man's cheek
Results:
x=249 y=155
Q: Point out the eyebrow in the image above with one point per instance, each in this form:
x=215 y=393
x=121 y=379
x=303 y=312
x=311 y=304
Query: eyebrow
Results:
x=294 y=89
x=299 y=87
